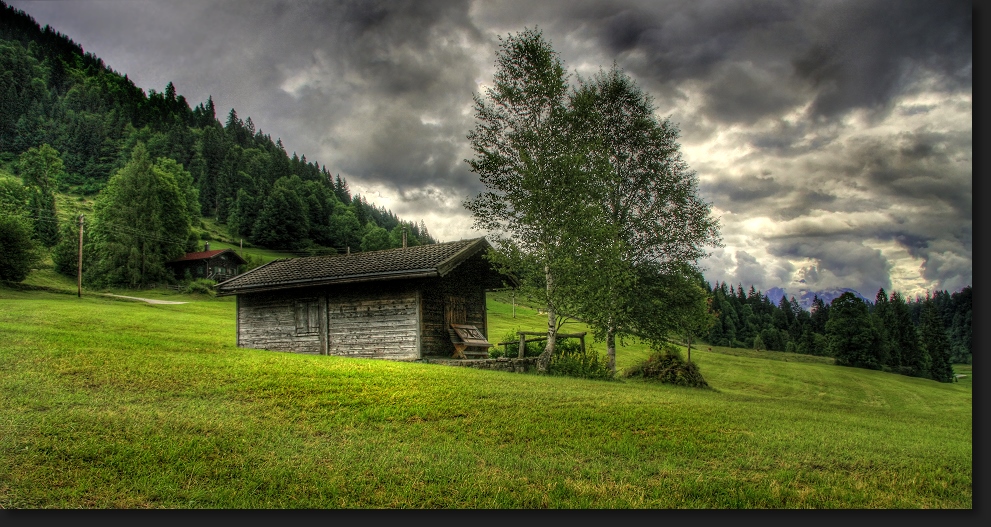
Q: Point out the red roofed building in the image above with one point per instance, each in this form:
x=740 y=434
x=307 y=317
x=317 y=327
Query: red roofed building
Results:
x=219 y=265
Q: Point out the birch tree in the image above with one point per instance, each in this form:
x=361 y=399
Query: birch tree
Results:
x=532 y=203
x=649 y=199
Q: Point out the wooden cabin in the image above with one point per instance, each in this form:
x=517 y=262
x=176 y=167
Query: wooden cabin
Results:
x=395 y=304
x=218 y=265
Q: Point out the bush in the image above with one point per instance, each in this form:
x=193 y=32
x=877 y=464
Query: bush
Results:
x=667 y=366
x=568 y=359
x=17 y=251
x=201 y=286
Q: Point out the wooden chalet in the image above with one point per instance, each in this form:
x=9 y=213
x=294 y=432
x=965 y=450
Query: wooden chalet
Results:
x=401 y=304
x=219 y=265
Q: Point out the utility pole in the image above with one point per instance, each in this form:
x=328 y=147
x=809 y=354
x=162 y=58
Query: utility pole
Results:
x=79 y=268
x=404 y=237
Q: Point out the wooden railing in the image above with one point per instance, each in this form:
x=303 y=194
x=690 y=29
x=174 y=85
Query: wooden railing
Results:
x=539 y=336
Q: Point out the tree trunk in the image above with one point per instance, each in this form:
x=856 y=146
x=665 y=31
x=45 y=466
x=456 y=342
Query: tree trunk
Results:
x=611 y=347
x=545 y=358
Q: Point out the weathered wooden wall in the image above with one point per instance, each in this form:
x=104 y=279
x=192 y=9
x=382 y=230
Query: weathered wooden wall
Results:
x=356 y=321
x=389 y=320
x=462 y=283
x=376 y=324
x=271 y=321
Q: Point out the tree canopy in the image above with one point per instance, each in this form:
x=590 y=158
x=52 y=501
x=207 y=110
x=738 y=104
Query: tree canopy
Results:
x=141 y=222
x=586 y=193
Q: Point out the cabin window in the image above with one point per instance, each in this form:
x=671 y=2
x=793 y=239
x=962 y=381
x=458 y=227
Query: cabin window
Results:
x=307 y=317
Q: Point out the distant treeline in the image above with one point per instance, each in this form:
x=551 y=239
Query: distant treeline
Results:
x=53 y=93
x=892 y=333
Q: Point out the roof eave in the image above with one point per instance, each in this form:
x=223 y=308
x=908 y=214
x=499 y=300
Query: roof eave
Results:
x=292 y=284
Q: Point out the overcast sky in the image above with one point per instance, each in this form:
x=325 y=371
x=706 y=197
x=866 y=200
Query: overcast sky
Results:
x=832 y=138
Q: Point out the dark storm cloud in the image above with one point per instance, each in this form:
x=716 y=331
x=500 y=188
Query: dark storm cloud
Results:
x=744 y=94
x=848 y=261
x=925 y=166
x=756 y=59
x=864 y=53
x=791 y=139
x=749 y=270
x=747 y=191
x=785 y=107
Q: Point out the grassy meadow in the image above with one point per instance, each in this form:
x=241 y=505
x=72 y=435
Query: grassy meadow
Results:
x=108 y=403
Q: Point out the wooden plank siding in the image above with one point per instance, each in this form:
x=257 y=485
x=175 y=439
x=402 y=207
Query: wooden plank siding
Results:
x=459 y=294
x=380 y=325
x=271 y=321
x=390 y=319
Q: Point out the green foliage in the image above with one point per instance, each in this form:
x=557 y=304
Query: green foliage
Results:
x=42 y=170
x=200 y=286
x=535 y=192
x=667 y=366
x=282 y=222
x=652 y=221
x=17 y=251
x=934 y=343
x=184 y=181
x=914 y=359
x=853 y=340
x=142 y=221
x=589 y=189
x=569 y=359
x=65 y=254
x=13 y=197
x=375 y=239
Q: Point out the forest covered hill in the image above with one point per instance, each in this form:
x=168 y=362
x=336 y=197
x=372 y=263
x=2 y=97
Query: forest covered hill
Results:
x=53 y=93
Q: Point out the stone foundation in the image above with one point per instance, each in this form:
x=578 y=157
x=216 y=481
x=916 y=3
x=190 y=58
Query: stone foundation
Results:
x=501 y=364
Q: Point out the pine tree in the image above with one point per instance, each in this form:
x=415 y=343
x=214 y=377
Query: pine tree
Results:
x=853 y=340
x=914 y=359
x=933 y=341
x=281 y=224
x=883 y=318
x=141 y=222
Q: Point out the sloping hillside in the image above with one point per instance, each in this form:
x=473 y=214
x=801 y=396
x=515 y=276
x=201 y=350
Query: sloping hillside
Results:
x=108 y=403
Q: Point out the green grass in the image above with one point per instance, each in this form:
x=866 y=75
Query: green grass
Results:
x=111 y=404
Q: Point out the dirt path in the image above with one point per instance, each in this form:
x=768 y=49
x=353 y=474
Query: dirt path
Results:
x=149 y=300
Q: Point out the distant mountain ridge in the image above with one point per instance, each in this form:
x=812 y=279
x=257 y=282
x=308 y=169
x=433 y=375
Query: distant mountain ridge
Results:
x=805 y=296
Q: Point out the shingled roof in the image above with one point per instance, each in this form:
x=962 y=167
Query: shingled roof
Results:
x=422 y=261
x=206 y=255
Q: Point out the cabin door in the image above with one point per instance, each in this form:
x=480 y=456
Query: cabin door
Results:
x=455 y=311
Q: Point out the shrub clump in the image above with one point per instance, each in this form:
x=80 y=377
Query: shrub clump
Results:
x=668 y=366
x=200 y=286
x=568 y=359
